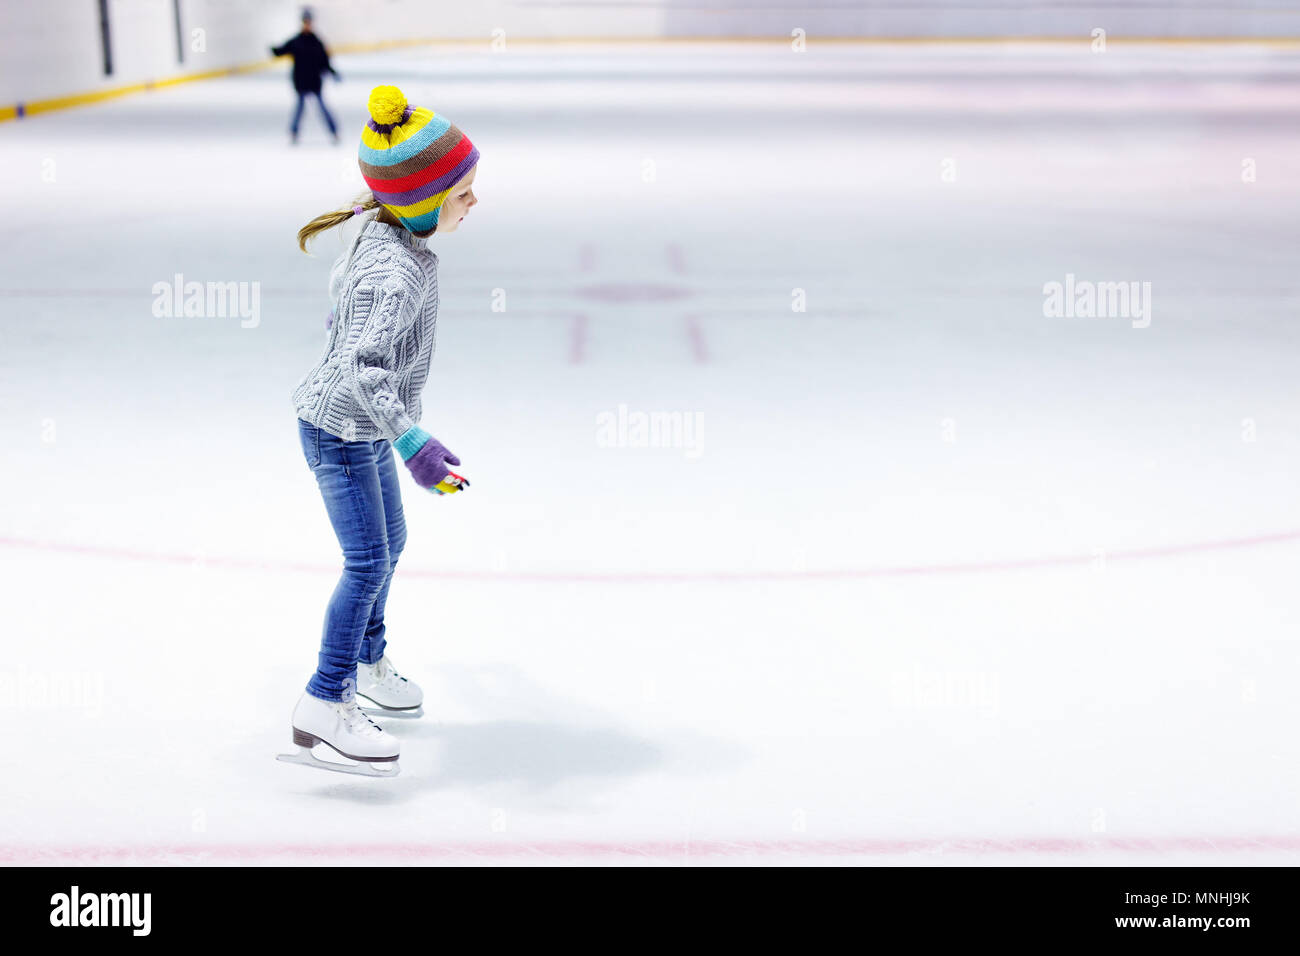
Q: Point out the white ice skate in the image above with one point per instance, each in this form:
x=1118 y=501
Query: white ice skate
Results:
x=391 y=694
x=345 y=729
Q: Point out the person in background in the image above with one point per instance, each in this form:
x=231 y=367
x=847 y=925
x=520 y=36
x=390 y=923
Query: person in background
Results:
x=310 y=62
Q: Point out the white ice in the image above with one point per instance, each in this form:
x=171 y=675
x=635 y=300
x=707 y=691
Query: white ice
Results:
x=828 y=628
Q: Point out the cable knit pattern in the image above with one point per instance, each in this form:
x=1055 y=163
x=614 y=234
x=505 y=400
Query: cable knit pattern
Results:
x=368 y=383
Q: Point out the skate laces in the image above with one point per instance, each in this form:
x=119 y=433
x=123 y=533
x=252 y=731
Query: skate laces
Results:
x=385 y=673
x=357 y=720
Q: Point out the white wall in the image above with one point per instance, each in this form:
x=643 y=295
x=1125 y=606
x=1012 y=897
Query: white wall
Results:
x=987 y=18
x=48 y=48
x=221 y=33
x=349 y=21
x=143 y=38
x=52 y=47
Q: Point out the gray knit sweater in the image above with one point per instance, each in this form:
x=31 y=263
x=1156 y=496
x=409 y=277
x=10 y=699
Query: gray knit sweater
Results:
x=367 y=385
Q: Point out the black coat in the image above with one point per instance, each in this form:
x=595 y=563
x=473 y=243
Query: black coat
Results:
x=309 y=61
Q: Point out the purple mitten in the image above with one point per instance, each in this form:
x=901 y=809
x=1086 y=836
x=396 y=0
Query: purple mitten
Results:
x=427 y=457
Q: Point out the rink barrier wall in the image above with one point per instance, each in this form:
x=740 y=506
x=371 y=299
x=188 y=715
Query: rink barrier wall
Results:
x=21 y=110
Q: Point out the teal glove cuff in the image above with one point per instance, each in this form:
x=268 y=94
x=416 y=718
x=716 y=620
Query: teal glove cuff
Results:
x=411 y=441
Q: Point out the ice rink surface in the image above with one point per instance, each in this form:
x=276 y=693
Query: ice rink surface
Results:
x=927 y=576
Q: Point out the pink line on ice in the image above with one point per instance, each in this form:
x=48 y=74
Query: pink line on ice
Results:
x=676 y=258
x=578 y=339
x=648 y=849
x=695 y=334
x=578 y=325
x=644 y=577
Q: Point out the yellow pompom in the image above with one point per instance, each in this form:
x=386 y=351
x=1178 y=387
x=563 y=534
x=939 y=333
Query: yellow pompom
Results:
x=387 y=104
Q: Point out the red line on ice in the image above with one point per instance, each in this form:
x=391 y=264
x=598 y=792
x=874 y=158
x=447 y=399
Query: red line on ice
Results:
x=647 y=849
x=645 y=577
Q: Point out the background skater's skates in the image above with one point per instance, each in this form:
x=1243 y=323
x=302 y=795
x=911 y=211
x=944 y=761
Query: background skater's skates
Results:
x=391 y=694
x=344 y=728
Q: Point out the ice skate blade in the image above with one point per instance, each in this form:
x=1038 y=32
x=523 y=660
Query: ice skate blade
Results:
x=304 y=756
x=378 y=711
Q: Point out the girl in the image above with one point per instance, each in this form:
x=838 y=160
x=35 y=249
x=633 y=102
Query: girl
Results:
x=362 y=400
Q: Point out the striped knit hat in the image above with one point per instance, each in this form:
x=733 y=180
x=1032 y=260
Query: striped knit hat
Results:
x=410 y=158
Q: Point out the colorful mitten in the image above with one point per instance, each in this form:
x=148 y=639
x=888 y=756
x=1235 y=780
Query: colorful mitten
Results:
x=451 y=484
x=426 y=457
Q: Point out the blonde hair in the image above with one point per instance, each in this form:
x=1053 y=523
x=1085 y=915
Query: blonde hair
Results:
x=337 y=217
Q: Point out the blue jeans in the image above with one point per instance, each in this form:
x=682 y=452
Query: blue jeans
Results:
x=358 y=480
x=297 y=113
